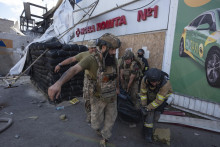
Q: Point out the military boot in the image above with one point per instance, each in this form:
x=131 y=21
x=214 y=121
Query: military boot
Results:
x=103 y=142
x=88 y=118
x=148 y=133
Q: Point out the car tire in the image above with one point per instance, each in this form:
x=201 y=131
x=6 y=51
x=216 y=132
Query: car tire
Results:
x=181 y=49
x=212 y=67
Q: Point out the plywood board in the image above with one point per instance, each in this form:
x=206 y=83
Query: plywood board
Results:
x=153 y=41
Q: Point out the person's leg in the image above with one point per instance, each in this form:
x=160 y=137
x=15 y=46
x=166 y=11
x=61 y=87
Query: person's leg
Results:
x=87 y=98
x=97 y=113
x=148 y=126
x=110 y=117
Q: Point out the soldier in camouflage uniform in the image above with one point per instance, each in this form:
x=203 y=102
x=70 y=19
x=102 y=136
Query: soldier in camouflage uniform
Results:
x=155 y=89
x=129 y=76
x=103 y=86
x=92 y=49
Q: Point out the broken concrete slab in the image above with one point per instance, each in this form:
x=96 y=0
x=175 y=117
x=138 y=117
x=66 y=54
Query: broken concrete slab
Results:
x=162 y=135
x=210 y=125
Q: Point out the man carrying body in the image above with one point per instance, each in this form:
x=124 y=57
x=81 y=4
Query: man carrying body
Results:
x=155 y=89
x=102 y=88
x=92 y=49
x=129 y=74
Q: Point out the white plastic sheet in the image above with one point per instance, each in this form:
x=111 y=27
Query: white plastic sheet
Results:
x=62 y=21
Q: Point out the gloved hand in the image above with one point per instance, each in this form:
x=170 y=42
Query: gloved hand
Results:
x=144 y=110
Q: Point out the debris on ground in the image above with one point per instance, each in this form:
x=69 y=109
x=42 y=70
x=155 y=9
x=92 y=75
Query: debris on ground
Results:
x=60 y=108
x=196 y=134
x=176 y=113
x=162 y=135
x=33 y=117
x=132 y=125
x=63 y=117
x=10 y=113
x=74 y=101
x=17 y=136
x=7 y=124
x=210 y=125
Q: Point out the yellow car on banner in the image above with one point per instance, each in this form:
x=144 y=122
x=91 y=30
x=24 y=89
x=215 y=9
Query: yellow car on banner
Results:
x=201 y=41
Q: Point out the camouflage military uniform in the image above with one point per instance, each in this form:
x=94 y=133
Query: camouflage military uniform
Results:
x=86 y=96
x=133 y=68
x=102 y=112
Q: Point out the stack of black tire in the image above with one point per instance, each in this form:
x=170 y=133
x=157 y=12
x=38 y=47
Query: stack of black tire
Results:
x=42 y=72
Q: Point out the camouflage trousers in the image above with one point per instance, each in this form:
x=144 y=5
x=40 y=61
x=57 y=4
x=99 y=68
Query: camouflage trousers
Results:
x=86 y=96
x=103 y=116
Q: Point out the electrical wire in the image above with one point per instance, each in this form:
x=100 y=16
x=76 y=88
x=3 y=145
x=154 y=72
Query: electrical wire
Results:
x=136 y=8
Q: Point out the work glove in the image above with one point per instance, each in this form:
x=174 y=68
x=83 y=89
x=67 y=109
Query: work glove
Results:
x=144 y=110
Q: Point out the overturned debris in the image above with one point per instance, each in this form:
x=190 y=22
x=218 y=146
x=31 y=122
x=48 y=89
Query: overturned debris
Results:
x=162 y=135
x=192 y=122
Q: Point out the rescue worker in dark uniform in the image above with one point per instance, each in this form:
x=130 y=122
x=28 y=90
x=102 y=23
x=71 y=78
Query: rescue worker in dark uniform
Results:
x=140 y=54
x=155 y=89
x=144 y=65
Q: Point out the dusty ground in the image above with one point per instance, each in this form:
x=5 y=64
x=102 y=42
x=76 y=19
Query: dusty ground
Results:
x=36 y=123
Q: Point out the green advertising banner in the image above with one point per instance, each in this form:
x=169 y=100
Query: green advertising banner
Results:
x=195 y=65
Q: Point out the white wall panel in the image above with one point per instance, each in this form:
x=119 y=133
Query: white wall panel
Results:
x=186 y=102
x=210 y=109
x=181 y=101
x=204 y=107
x=102 y=7
x=217 y=110
x=197 y=105
x=132 y=26
x=176 y=99
x=191 y=104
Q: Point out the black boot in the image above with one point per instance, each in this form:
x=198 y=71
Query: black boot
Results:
x=148 y=133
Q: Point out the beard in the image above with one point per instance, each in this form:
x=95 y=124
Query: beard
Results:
x=109 y=59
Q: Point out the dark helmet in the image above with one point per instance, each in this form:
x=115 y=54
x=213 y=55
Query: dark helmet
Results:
x=128 y=55
x=140 y=51
x=153 y=75
x=110 y=40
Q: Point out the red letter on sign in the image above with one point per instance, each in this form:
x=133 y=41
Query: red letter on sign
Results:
x=149 y=12
x=93 y=28
x=155 y=11
x=116 y=20
x=122 y=20
x=99 y=26
x=141 y=15
x=103 y=25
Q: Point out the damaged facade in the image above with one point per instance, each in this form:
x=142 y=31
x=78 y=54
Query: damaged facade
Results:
x=156 y=26
x=12 y=44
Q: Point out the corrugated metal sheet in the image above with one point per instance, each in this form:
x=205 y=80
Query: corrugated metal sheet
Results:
x=197 y=106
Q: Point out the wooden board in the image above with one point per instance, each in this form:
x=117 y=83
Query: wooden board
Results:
x=154 y=42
